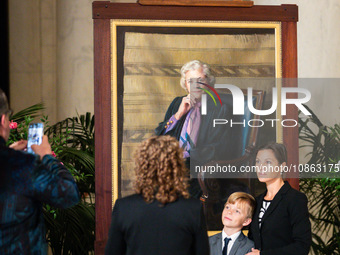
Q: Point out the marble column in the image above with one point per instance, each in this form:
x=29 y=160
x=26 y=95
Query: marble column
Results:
x=74 y=57
x=25 y=53
x=32 y=39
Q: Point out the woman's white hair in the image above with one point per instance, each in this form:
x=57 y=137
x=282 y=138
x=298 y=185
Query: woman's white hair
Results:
x=195 y=65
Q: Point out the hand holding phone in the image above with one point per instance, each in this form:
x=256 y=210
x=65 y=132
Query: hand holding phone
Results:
x=43 y=149
x=35 y=135
x=19 y=145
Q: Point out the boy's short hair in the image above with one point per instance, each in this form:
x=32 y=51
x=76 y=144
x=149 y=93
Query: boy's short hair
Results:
x=245 y=200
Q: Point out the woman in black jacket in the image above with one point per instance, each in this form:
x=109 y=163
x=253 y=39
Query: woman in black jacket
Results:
x=281 y=223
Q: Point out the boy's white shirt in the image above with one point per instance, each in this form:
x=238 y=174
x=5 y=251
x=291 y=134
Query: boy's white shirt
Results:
x=232 y=241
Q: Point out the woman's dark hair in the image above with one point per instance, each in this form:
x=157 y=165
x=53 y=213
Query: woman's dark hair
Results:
x=279 y=150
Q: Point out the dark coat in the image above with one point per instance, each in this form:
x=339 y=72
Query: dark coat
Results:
x=26 y=182
x=285 y=228
x=140 y=228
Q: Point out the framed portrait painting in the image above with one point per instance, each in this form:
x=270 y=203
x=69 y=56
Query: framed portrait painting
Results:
x=138 y=55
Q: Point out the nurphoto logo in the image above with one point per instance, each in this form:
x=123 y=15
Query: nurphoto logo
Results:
x=239 y=103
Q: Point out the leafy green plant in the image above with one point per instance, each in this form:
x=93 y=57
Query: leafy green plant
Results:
x=323 y=192
x=73 y=140
x=69 y=231
x=23 y=118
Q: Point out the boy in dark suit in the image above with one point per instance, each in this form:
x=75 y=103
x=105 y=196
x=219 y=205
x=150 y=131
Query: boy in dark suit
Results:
x=237 y=213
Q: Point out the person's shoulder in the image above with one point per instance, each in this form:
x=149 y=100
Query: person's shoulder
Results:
x=216 y=236
x=18 y=168
x=294 y=200
x=177 y=100
x=213 y=240
x=139 y=197
x=295 y=194
x=128 y=203
x=187 y=206
x=190 y=201
x=15 y=157
x=129 y=199
x=246 y=242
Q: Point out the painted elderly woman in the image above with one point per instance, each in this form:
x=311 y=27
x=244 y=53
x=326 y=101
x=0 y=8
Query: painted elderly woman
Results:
x=201 y=141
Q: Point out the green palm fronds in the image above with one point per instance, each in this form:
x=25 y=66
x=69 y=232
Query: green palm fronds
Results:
x=32 y=111
x=71 y=231
x=323 y=192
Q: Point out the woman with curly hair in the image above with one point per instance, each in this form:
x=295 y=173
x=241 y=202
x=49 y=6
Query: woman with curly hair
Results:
x=160 y=218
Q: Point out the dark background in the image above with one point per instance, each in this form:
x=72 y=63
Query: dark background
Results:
x=4 y=47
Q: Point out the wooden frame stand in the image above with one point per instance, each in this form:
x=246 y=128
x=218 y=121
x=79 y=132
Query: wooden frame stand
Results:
x=104 y=73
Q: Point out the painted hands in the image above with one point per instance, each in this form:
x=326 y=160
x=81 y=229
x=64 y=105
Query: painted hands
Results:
x=187 y=103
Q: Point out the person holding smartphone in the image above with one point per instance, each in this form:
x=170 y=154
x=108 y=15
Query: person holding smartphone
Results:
x=26 y=182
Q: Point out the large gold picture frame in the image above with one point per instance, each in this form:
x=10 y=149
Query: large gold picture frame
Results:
x=147 y=68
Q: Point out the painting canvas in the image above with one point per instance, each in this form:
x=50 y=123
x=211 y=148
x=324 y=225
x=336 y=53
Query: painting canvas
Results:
x=146 y=75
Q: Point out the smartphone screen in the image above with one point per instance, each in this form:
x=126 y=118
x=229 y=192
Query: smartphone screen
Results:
x=35 y=134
